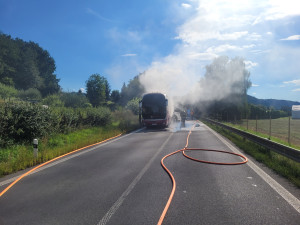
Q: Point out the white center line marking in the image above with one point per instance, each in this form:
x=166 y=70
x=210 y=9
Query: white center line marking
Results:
x=121 y=199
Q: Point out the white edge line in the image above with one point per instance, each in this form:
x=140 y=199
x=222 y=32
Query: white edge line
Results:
x=291 y=199
x=120 y=200
x=8 y=181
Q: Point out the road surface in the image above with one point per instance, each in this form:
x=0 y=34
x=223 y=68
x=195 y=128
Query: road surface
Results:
x=122 y=182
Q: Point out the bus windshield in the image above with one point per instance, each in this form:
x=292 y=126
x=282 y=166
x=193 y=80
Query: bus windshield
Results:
x=154 y=106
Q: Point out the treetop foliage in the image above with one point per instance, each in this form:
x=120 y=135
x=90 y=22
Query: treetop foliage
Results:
x=132 y=90
x=97 y=90
x=26 y=65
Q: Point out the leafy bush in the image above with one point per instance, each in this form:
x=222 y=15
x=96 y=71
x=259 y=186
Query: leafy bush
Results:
x=74 y=100
x=30 y=94
x=7 y=91
x=22 y=122
x=67 y=119
x=133 y=105
x=126 y=119
x=100 y=116
x=53 y=100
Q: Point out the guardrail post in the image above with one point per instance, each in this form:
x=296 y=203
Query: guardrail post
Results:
x=289 y=140
x=270 y=127
x=291 y=153
x=256 y=124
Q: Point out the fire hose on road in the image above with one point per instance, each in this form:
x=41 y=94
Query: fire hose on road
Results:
x=245 y=160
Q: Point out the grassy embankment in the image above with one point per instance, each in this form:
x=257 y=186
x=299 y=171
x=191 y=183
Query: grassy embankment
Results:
x=280 y=164
x=279 y=130
x=19 y=157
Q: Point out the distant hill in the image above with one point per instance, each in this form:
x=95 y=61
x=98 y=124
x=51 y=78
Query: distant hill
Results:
x=277 y=104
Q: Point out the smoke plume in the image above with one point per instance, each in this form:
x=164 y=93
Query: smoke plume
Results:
x=182 y=81
x=194 y=71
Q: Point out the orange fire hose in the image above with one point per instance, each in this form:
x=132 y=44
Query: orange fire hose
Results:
x=45 y=163
x=162 y=217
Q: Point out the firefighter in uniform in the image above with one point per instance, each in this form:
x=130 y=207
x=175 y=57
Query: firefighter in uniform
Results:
x=183 y=117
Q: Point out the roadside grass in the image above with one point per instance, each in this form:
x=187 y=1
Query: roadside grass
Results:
x=20 y=157
x=280 y=164
x=279 y=130
x=125 y=120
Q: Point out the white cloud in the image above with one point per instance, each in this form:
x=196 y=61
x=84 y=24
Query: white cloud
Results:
x=223 y=48
x=291 y=38
x=185 y=5
x=259 y=51
x=129 y=55
x=254 y=37
x=204 y=56
x=191 y=36
x=249 y=46
x=249 y=64
x=98 y=15
x=125 y=37
x=228 y=47
x=298 y=89
x=216 y=20
x=134 y=35
x=255 y=85
x=294 y=82
x=278 y=9
x=232 y=36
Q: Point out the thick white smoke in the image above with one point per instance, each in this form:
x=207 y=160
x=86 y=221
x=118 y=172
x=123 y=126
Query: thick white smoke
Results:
x=181 y=79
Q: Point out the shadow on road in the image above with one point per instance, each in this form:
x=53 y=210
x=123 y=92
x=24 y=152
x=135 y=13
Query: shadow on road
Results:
x=174 y=127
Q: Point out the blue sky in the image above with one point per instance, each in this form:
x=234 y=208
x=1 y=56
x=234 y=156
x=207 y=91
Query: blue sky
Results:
x=120 y=39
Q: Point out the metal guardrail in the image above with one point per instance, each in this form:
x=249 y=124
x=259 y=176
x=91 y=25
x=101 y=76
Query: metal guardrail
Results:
x=289 y=152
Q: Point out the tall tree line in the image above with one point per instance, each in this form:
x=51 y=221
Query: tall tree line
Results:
x=25 y=65
x=99 y=91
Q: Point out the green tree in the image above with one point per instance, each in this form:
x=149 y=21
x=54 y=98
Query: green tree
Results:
x=30 y=94
x=7 y=81
x=133 y=105
x=28 y=74
x=115 y=96
x=132 y=90
x=74 y=100
x=53 y=100
x=9 y=56
x=107 y=90
x=27 y=65
x=7 y=92
x=96 y=89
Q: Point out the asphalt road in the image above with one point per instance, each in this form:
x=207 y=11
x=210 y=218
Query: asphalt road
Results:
x=122 y=182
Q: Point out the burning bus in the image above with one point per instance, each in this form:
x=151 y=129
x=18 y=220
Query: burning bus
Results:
x=154 y=110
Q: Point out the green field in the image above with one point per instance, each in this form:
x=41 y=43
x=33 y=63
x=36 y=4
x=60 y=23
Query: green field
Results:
x=279 y=129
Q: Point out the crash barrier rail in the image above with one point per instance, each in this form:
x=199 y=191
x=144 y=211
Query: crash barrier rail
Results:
x=281 y=149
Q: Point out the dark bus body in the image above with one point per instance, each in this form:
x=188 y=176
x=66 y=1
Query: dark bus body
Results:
x=154 y=110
